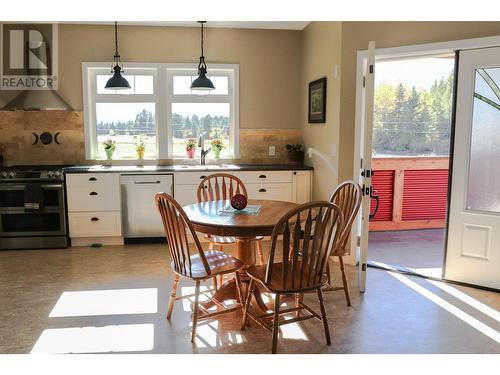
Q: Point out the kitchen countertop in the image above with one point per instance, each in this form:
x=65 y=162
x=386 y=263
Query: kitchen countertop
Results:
x=184 y=168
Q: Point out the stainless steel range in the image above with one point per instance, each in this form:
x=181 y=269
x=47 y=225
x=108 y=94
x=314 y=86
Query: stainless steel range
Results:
x=32 y=208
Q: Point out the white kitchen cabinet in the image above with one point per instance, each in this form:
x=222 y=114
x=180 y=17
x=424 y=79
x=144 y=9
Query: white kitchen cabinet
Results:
x=95 y=224
x=302 y=186
x=94 y=208
x=270 y=191
x=185 y=194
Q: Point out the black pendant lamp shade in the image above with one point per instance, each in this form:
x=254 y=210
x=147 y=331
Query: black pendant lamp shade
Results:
x=117 y=82
x=202 y=83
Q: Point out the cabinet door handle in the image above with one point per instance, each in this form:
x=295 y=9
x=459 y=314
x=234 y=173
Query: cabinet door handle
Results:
x=92 y=179
x=262 y=176
x=146 y=182
x=202 y=177
x=92 y=193
x=94 y=219
x=262 y=190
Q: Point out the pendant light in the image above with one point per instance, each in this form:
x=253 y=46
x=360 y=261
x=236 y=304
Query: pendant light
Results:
x=202 y=83
x=117 y=82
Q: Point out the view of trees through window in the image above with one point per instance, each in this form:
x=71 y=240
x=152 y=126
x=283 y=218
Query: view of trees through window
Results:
x=412 y=114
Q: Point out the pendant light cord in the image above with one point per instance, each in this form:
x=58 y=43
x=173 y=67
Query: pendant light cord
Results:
x=116 y=39
x=202 y=40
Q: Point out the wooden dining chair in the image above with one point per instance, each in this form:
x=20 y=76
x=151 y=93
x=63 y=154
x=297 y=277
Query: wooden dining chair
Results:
x=347 y=196
x=303 y=271
x=191 y=262
x=223 y=186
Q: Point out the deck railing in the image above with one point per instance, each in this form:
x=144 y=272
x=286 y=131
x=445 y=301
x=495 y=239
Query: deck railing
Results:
x=412 y=192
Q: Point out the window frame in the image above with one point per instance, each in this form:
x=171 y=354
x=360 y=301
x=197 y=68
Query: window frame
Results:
x=232 y=97
x=161 y=97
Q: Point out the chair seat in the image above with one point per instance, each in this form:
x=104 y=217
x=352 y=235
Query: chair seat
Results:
x=258 y=273
x=219 y=263
x=221 y=240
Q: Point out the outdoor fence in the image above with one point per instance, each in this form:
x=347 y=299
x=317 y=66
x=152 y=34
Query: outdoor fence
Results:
x=412 y=192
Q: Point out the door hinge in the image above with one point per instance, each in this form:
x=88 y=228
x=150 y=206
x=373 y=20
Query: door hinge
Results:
x=367 y=190
x=363 y=267
x=358 y=241
x=367 y=173
x=372 y=68
x=364 y=81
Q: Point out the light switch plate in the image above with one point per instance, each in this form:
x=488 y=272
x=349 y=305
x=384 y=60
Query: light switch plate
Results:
x=272 y=150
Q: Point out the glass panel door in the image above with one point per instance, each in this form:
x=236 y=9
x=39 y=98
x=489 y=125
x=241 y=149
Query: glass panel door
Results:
x=485 y=143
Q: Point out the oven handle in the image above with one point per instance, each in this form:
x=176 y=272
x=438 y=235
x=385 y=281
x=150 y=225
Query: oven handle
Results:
x=9 y=187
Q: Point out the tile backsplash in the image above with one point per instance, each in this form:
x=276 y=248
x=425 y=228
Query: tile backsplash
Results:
x=17 y=138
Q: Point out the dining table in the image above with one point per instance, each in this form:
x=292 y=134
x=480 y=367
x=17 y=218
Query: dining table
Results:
x=217 y=218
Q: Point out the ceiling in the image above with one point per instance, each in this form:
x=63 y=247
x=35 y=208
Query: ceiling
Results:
x=277 y=25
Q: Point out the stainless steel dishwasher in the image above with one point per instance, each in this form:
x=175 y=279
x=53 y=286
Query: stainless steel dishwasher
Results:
x=140 y=215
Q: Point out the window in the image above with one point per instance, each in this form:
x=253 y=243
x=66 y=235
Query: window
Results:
x=159 y=109
x=209 y=116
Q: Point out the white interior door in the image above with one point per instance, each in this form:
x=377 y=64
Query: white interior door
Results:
x=364 y=177
x=473 y=251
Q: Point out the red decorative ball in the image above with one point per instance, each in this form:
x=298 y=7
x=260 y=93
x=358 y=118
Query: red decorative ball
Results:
x=239 y=202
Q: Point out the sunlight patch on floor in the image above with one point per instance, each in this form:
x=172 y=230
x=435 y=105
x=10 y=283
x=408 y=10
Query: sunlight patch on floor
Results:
x=293 y=331
x=115 y=338
x=473 y=322
x=207 y=334
x=430 y=272
x=106 y=302
x=485 y=309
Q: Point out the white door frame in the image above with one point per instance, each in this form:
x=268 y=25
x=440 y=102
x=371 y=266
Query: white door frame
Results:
x=392 y=53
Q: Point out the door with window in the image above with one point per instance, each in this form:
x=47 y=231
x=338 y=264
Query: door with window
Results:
x=473 y=250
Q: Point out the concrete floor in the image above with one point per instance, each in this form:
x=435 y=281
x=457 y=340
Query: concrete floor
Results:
x=419 y=250
x=397 y=314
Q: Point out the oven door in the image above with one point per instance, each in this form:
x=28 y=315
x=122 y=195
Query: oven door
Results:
x=15 y=221
x=12 y=196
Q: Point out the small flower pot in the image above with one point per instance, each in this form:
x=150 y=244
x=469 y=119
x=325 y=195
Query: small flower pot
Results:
x=140 y=154
x=216 y=153
x=109 y=153
x=190 y=153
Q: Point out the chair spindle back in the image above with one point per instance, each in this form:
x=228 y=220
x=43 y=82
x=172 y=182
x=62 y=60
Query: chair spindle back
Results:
x=176 y=225
x=304 y=262
x=220 y=186
x=347 y=196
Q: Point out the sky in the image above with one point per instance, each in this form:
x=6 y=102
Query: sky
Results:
x=420 y=73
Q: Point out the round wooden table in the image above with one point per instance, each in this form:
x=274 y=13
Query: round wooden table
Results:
x=207 y=218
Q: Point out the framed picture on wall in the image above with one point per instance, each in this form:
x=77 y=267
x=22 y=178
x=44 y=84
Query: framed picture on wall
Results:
x=317 y=101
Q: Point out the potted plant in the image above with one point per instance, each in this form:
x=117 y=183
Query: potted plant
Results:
x=109 y=148
x=140 y=147
x=295 y=154
x=191 y=147
x=217 y=147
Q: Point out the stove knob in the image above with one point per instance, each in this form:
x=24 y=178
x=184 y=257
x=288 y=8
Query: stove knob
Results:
x=57 y=174
x=11 y=174
x=3 y=174
x=50 y=174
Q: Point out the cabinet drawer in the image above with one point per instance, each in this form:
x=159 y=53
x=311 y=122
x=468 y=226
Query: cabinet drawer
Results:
x=93 y=197
x=277 y=192
x=87 y=179
x=95 y=224
x=249 y=177
x=193 y=178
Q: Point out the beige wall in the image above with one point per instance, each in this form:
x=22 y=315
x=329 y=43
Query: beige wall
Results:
x=321 y=51
x=356 y=35
x=267 y=58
